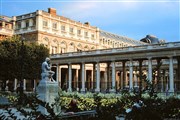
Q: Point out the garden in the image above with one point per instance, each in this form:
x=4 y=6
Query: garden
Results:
x=108 y=106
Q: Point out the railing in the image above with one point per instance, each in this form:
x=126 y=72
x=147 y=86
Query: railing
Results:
x=6 y=30
x=105 y=87
x=121 y=49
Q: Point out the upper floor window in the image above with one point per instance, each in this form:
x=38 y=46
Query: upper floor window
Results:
x=63 y=28
x=86 y=34
x=54 y=25
x=18 y=25
x=27 y=23
x=33 y=22
x=45 y=23
x=92 y=36
x=71 y=30
x=79 y=32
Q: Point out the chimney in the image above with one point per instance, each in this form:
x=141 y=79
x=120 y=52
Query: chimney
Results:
x=52 y=11
x=87 y=23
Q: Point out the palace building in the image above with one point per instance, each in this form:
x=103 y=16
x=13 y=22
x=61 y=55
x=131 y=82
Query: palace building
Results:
x=64 y=36
x=61 y=34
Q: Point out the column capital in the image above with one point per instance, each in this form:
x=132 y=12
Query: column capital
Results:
x=124 y=62
x=130 y=59
x=149 y=58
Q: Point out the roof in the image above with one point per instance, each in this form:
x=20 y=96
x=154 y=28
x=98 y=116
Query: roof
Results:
x=5 y=18
x=120 y=38
x=150 y=39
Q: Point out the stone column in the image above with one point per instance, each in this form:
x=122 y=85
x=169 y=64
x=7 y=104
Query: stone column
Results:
x=150 y=69
x=94 y=75
x=34 y=87
x=122 y=80
x=15 y=84
x=77 y=80
x=178 y=74
x=57 y=73
x=124 y=74
x=113 y=89
x=135 y=80
x=130 y=74
x=24 y=84
x=171 y=75
x=70 y=78
x=98 y=77
x=59 y=81
x=83 y=77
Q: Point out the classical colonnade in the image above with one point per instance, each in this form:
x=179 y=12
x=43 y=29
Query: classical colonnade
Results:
x=119 y=68
x=119 y=75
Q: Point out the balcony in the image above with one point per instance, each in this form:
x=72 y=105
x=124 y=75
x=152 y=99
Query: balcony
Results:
x=6 y=31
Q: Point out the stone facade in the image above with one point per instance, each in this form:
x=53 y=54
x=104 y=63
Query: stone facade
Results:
x=61 y=34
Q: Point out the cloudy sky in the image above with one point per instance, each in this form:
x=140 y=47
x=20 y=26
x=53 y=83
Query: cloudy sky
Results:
x=132 y=18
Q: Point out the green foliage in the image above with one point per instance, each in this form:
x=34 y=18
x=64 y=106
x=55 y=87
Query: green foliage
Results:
x=28 y=106
x=107 y=106
x=21 y=59
x=110 y=105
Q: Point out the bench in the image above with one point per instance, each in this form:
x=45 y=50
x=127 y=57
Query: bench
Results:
x=81 y=115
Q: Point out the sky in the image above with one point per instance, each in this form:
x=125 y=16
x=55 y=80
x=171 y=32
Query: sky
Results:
x=131 y=18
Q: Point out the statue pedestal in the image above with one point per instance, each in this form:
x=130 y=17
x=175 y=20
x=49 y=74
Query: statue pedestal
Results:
x=47 y=91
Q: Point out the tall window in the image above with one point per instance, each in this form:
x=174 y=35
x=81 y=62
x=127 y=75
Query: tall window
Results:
x=45 y=23
x=54 y=25
x=79 y=32
x=63 y=28
x=18 y=25
x=92 y=36
x=71 y=30
x=34 y=22
x=27 y=23
x=86 y=34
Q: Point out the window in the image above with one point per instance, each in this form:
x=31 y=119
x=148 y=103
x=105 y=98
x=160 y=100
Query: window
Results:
x=92 y=36
x=71 y=30
x=45 y=23
x=86 y=34
x=34 y=22
x=18 y=25
x=54 y=25
x=63 y=28
x=27 y=23
x=79 y=32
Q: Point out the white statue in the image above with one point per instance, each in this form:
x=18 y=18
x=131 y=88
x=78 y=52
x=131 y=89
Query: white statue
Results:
x=46 y=71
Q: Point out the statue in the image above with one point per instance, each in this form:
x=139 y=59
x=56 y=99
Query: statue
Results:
x=46 y=71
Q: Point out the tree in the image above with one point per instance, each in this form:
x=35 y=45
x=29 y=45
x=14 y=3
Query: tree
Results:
x=21 y=59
